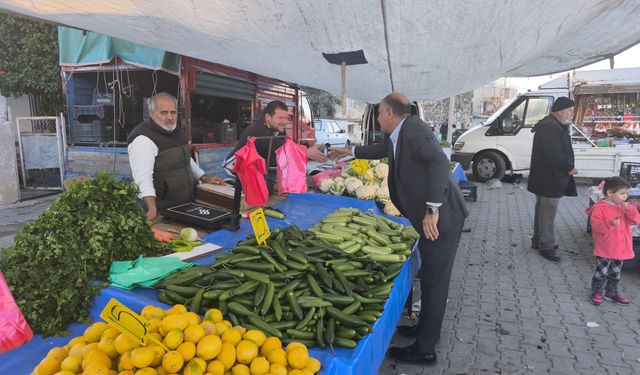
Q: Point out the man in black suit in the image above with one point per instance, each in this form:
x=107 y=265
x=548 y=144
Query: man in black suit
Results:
x=421 y=187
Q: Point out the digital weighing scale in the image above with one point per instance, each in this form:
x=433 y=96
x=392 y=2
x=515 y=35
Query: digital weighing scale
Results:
x=208 y=217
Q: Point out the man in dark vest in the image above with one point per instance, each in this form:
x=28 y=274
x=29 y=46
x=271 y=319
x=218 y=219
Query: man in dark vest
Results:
x=551 y=173
x=160 y=159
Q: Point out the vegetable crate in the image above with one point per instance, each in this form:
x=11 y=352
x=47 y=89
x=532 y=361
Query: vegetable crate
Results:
x=469 y=190
x=89 y=132
x=630 y=171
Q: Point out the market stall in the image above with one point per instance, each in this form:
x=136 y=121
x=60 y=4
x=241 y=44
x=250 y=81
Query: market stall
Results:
x=301 y=209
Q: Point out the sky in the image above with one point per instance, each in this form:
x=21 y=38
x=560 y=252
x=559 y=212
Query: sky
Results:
x=627 y=59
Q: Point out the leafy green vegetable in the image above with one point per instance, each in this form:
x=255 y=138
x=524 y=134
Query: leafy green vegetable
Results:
x=55 y=259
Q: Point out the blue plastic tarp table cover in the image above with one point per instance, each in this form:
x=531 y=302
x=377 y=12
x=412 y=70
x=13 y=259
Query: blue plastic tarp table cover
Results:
x=458 y=173
x=303 y=210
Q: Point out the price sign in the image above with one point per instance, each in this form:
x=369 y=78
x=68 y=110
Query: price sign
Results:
x=259 y=224
x=126 y=320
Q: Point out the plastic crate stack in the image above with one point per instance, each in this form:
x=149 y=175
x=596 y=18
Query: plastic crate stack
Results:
x=89 y=122
x=630 y=171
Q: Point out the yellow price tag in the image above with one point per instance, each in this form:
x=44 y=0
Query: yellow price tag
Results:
x=259 y=224
x=126 y=320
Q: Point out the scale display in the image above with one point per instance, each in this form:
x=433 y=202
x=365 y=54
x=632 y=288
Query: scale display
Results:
x=197 y=214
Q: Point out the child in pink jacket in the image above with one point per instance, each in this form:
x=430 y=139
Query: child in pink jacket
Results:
x=611 y=220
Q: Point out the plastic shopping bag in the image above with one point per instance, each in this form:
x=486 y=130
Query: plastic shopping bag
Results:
x=251 y=168
x=292 y=167
x=14 y=329
x=329 y=173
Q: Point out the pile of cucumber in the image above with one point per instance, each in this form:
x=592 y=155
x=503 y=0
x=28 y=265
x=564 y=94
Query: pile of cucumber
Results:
x=302 y=286
x=367 y=234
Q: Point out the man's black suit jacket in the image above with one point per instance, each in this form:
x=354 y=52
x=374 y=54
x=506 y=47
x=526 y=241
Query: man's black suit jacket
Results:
x=419 y=173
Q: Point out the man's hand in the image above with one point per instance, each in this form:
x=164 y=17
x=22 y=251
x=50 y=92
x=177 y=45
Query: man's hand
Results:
x=430 y=225
x=339 y=152
x=152 y=210
x=314 y=153
x=215 y=180
x=573 y=172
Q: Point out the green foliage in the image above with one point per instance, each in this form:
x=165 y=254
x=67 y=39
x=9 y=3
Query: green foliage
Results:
x=29 y=61
x=55 y=259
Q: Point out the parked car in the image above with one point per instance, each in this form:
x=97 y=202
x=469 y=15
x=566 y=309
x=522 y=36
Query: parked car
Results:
x=329 y=132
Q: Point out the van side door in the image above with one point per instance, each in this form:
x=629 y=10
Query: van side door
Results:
x=513 y=128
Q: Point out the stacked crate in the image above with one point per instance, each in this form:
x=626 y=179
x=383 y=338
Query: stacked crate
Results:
x=89 y=123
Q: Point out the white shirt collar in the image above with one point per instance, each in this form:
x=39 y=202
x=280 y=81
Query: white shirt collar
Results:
x=395 y=134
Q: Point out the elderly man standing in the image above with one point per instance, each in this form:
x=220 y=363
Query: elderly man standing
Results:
x=551 y=173
x=160 y=158
x=420 y=186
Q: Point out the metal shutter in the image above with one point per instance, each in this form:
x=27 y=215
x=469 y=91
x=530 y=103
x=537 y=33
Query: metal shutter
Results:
x=215 y=85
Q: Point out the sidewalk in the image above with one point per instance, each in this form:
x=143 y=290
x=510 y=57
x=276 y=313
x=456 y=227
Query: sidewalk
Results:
x=14 y=216
x=513 y=312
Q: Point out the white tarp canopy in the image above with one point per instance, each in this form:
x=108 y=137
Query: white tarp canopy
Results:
x=425 y=48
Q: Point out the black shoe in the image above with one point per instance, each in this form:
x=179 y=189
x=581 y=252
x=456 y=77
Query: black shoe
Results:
x=411 y=355
x=408 y=331
x=536 y=246
x=552 y=255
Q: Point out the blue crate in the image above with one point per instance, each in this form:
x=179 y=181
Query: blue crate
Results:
x=93 y=132
x=92 y=111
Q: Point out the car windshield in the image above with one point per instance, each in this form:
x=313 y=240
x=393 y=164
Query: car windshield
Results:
x=499 y=112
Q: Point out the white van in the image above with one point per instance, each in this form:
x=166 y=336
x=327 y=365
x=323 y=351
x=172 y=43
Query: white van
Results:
x=371 y=132
x=503 y=142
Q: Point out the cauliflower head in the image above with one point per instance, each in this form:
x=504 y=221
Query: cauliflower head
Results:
x=348 y=171
x=381 y=171
x=337 y=188
x=391 y=209
x=326 y=184
x=382 y=194
x=366 y=192
x=367 y=176
x=352 y=183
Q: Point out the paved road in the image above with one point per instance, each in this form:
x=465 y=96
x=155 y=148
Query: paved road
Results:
x=513 y=312
x=13 y=216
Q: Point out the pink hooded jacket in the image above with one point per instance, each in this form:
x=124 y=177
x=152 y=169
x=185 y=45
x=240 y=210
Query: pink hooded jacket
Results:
x=612 y=241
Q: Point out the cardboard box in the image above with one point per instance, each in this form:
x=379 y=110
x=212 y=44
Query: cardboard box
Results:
x=218 y=196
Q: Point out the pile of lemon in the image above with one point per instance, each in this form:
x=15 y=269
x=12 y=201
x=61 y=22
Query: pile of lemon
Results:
x=209 y=346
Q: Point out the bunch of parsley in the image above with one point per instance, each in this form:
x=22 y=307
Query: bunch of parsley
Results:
x=54 y=267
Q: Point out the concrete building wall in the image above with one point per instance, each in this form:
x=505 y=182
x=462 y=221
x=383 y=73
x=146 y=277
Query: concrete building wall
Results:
x=487 y=99
x=19 y=108
x=10 y=187
x=437 y=111
x=352 y=120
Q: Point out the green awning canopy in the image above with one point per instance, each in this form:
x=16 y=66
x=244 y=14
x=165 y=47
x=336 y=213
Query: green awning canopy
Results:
x=79 y=48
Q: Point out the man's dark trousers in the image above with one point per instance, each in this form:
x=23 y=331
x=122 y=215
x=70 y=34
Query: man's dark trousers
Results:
x=435 y=273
